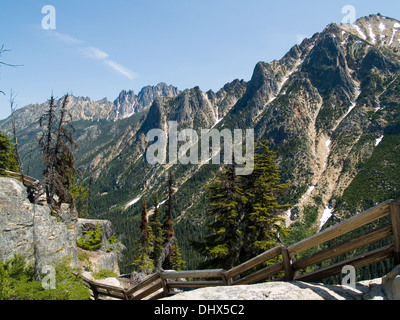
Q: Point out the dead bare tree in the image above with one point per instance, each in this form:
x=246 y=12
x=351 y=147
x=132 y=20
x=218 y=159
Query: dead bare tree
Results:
x=13 y=107
x=57 y=146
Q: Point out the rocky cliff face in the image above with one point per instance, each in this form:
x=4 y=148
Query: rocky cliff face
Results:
x=32 y=231
x=128 y=103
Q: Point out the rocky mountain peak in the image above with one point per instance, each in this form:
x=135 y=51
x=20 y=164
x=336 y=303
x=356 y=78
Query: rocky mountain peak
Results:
x=376 y=30
x=128 y=103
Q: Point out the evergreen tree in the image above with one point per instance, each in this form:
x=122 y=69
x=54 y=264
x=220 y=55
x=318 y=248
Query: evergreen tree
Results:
x=245 y=212
x=177 y=261
x=170 y=242
x=156 y=227
x=8 y=158
x=142 y=261
x=168 y=225
x=262 y=221
x=221 y=247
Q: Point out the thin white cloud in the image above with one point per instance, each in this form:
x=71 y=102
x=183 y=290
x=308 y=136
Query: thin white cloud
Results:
x=121 y=69
x=66 y=38
x=93 y=53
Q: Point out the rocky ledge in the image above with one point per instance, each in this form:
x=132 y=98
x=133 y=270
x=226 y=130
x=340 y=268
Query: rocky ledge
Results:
x=386 y=288
x=44 y=238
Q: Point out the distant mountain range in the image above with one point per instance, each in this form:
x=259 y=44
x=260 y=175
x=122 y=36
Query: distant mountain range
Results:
x=330 y=109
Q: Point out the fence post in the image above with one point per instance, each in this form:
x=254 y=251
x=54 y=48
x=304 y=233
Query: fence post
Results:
x=164 y=284
x=287 y=264
x=395 y=215
x=227 y=280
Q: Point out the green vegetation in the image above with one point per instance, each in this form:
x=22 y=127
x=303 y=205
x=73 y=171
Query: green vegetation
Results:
x=103 y=274
x=8 y=157
x=246 y=214
x=91 y=240
x=304 y=227
x=19 y=282
x=142 y=261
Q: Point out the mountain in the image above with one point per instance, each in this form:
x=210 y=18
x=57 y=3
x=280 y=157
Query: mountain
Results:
x=128 y=103
x=330 y=109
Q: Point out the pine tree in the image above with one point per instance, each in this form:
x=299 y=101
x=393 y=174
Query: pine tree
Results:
x=168 y=225
x=221 y=247
x=8 y=158
x=142 y=261
x=245 y=212
x=178 y=263
x=170 y=257
x=262 y=222
x=156 y=227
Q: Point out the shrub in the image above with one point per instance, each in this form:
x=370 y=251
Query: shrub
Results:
x=103 y=274
x=18 y=282
x=91 y=240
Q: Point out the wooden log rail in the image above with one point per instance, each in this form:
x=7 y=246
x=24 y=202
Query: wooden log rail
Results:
x=281 y=262
x=26 y=180
x=35 y=189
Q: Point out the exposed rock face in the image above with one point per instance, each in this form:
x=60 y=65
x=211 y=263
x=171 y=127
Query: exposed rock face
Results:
x=30 y=230
x=366 y=290
x=105 y=226
x=98 y=260
x=128 y=103
x=391 y=284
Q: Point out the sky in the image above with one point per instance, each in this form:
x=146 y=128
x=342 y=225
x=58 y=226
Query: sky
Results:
x=98 y=48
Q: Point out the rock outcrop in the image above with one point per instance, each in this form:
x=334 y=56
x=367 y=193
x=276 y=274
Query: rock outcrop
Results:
x=44 y=239
x=31 y=230
x=365 y=290
x=100 y=259
x=391 y=284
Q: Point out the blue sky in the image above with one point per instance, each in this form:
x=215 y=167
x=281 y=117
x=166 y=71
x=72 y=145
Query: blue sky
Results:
x=102 y=47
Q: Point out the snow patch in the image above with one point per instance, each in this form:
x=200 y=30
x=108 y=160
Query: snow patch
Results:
x=325 y=217
x=394 y=33
x=396 y=25
x=162 y=202
x=350 y=109
x=328 y=146
x=310 y=190
x=372 y=34
x=382 y=26
x=133 y=202
x=360 y=32
x=378 y=141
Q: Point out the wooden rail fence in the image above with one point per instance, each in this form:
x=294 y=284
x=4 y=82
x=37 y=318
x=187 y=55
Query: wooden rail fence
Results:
x=34 y=186
x=165 y=283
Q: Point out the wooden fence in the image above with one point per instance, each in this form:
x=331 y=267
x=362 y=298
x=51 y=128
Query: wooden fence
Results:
x=34 y=186
x=291 y=263
x=26 y=180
